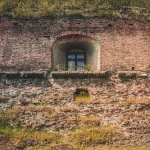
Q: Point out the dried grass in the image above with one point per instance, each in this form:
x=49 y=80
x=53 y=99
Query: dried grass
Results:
x=137 y=101
x=82 y=99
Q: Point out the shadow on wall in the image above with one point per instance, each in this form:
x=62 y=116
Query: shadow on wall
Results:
x=75 y=43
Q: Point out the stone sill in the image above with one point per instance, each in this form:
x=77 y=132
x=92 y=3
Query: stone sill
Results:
x=133 y=74
x=77 y=74
x=74 y=74
x=14 y=75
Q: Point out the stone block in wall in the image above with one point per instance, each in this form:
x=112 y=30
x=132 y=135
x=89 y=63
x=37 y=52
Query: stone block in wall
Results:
x=132 y=74
x=57 y=74
x=16 y=75
x=12 y=75
x=142 y=75
x=33 y=74
x=127 y=74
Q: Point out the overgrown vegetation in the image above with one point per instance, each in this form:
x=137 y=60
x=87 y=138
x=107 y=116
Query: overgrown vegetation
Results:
x=82 y=99
x=93 y=135
x=90 y=120
x=90 y=135
x=137 y=101
x=136 y=9
x=23 y=137
x=84 y=138
x=33 y=108
x=35 y=139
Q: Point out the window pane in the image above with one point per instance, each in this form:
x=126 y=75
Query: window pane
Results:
x=80 y=65
x=71 y=56
x=80 y=56
x=71 y=65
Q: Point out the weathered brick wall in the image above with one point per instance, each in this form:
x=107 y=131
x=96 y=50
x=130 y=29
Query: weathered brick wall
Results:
x=49 y=104
x=118 y=99
x=26 y=44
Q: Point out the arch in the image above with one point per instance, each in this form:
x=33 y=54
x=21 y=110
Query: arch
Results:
x=67 y=33
x=69 y=42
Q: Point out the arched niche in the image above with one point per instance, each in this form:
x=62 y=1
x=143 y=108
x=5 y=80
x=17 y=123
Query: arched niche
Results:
x=65 y=44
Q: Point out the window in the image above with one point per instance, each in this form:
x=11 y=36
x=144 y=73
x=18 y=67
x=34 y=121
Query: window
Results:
x=75 y=52
x=75 y=60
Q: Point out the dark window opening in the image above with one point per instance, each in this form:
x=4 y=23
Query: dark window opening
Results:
x=75 y=60
x=132 y=68
x=82 y=95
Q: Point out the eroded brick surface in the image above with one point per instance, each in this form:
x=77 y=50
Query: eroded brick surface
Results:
x=26 y=44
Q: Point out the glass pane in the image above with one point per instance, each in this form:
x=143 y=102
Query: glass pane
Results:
x=71 y=56
x=80 y=56
x=80 y=65
x=71 y=65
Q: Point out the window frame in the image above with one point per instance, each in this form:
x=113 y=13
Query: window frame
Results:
x=76 y=59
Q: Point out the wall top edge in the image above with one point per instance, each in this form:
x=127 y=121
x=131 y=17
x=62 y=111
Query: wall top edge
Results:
x=7 y=18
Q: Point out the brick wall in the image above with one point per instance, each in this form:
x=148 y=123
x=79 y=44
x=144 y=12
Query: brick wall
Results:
x=26 y=44
x=49 y=104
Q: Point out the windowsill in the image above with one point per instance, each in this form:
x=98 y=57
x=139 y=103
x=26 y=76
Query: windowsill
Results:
x=22 y=74
x=79 y=74
x=133 y=74
x=73 y=74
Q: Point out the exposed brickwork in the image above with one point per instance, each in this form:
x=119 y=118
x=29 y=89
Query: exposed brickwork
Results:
x=49 y=104
x=26 y=44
